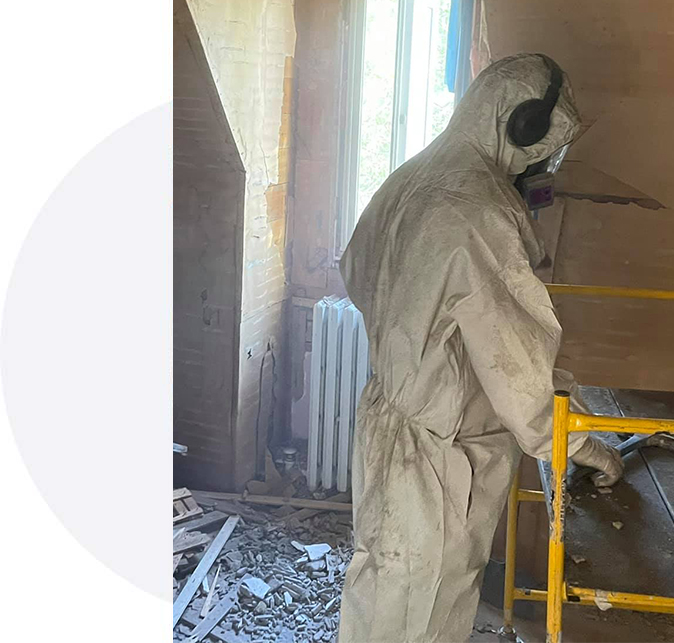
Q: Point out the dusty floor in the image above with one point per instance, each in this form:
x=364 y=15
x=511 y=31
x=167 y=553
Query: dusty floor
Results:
x=297 y=599
x=581 y=625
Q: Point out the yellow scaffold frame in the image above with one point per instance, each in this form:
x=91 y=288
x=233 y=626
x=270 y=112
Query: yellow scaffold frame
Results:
x=565 y=422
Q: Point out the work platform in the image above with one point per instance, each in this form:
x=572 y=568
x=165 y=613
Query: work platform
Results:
x=621 y=540
x=626 y=537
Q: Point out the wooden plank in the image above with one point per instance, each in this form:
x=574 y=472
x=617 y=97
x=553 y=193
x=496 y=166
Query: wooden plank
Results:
x=189 y=540
x=207 y=522
x=219 y=612
x=187 y=514
x=192 y=505
x=621 y=343
x=303 y=503
x=211 y=592
x=228 y=508
x=179 y=511
x=204 y=565
x=184 y=505
x=191 y=618
x=304 y=514
x=660 y=463
x=614 y=231
x=176 y=561
x=179 y=494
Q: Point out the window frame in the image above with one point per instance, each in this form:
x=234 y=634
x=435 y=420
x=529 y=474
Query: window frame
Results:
x=351 y=101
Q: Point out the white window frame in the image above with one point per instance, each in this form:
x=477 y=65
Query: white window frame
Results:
x=347 y=190
x=353 y=62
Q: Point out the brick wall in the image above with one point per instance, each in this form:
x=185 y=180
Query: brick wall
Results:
x=248 y=44
x=208 y=231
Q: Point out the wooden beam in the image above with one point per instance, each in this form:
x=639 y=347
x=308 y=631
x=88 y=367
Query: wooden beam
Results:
x=187 y=593
x=207 y=522
x=302 y=503
x=304 y=514
x=189 y=541
x=191 y=618
x=211 y=593
x=219 y=612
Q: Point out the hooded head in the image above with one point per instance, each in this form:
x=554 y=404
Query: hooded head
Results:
x=481 y=118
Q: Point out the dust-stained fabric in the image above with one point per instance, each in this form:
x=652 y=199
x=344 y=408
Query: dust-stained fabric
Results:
x=463 y=340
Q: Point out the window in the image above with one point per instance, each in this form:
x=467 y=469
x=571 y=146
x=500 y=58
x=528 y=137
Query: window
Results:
x=397 y=97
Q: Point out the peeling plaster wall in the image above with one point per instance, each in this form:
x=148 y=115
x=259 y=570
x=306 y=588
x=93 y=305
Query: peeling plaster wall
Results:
x=249 y=45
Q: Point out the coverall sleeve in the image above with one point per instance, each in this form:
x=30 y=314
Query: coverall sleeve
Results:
x=512 y=337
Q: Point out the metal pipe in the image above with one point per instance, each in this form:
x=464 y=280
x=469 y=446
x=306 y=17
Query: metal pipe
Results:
x=529 y=495
x=511 y=555
x=556 y=586
x=617 y=600
x=545 y=483
x=609 y=291
x=578 y=422
x=640 y=602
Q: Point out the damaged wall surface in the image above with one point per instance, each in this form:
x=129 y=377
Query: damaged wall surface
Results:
x=208 y=196
x=249 y=45
x=614 y=225
x=317 y=127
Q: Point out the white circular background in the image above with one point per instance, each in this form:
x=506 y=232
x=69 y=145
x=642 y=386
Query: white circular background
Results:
x=80 y=344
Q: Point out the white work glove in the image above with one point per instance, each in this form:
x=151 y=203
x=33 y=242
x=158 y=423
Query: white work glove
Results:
x=599 y=455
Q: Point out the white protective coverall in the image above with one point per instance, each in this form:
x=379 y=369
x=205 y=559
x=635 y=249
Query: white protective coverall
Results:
x=463 y=340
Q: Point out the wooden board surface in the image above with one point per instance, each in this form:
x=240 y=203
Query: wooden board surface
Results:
x=613 y=51
x=187 y=593
x=639 y=557
x=614 y=230
x=660 y=462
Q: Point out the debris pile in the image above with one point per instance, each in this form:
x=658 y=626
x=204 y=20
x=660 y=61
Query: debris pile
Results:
x=244 y=575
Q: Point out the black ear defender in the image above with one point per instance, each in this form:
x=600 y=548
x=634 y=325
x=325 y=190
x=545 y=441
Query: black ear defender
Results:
x=530 y=120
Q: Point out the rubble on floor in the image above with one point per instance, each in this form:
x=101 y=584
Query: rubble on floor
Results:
x=277 y=576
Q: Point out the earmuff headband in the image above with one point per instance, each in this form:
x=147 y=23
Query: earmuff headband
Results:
x=530 y=120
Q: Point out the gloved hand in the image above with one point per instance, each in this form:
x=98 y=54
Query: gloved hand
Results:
x=598 y=455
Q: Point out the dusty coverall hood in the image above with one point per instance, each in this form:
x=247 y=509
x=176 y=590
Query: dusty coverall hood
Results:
x=474 y=146
x=481 y=117
x=463 y=340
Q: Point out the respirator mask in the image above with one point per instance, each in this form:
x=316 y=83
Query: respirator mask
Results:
x=527 y=125
x=536 y=183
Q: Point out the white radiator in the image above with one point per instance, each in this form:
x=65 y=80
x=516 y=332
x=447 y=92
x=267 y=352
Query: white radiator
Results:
x=339 y=371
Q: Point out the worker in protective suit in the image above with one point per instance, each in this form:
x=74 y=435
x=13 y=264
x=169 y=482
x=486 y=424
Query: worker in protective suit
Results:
x=463 y=340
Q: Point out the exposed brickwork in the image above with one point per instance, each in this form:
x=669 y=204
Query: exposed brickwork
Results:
x=249 y=46
x=208 y=226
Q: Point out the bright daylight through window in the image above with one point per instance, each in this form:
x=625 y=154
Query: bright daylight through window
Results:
x=399 y=99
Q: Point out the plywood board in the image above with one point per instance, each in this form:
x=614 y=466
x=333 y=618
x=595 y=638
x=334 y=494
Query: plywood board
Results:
x=617 y=228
